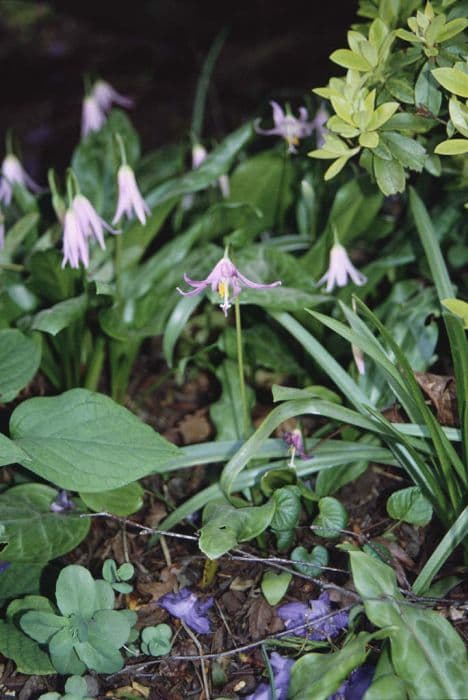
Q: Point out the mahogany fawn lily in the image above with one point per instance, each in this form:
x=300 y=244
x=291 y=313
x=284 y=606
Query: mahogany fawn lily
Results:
x=340 y=268
x=226 y=280
x=12 y=174
x=291 y=128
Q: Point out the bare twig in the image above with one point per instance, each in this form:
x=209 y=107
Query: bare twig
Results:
x=201 y=658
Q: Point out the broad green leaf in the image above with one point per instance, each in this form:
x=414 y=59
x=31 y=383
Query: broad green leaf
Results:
x=369 y=139
x=401 y=88
x=390 y=176
x=457 y=307
x=20 y=579
x=426 y=91
x=124 y=500
x=27 y=654
x=226 y=413
x=226 y=525
x=332 y=518
x=452 y=147
x=75 y=592
x=310 y=563
x=387 y=687
x=16 y=235
x=453 y=80
x=157 y=640
x=60 y=315
x=451 y=29
x=20 y=356
x=351 y=60
x=49 y=280
x=274 y=585
x=63 y=654
x=427 y=653
x=41 y=625
x=329 y=481
x=176 y=323
x=410 y=506
x=407 y=151
x=84 y=441
x=382 y=114
x=34 y=533
x=336 y=167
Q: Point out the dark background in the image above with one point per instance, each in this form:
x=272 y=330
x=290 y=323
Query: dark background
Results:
x=154 y=50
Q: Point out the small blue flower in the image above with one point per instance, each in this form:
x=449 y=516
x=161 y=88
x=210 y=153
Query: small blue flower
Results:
x=186 y=606
x=295 y=614
x=281 y=672
x=62 y=502
x=354 y=687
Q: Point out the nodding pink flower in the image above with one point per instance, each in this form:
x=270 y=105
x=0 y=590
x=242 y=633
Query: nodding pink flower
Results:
x=318 y=125
x=106 y=96
x=291 y=128
x=92 y=116
x=199 y=155
x=223 y=278
x=130 y=200
x=339 y=269
x=293 y=438
x=90 y=221
x=2 y=230
x=12 y=174
x=75 y=244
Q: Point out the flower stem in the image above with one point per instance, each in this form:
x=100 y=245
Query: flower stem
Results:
x=118 y=266
x=240 y=361
x=95 y=364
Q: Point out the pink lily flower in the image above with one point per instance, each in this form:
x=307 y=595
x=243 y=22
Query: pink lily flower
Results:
x=106 y=96
x=223 y=278
x=291 y=128
x=92 y=116
x=13 y=173
x=293 y=438
x=75 y=244
x=89 y=220
x=339 y=269
x=130 y=200
x=2 y=231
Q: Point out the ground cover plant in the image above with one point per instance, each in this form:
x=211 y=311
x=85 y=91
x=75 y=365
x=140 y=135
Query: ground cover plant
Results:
x=234 y=388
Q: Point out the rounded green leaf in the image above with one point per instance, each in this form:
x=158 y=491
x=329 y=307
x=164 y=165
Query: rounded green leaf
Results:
x=332 y=518
x=288 y=508
x=157 y=640
x=274 y=585
x=84 y=441
x=63 y=654
x=124 y=501
x=410 y=506
x=453 y=80
x=390 y=175
x=310 y=563
x=75 y=592
x=125 y=571
x=452 y=147
x=20 y=357
x=27 y=655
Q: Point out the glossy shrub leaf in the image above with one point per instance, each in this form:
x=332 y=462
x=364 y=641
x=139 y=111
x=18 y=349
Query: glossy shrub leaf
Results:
x=407 y=151
x=310 y=563
x=452 y=147
x=122 y=501
x=390 y=176
x=331 y=519
x=34 y=533
x=25 y=652
x=410 y=506
x=84 y=441
x=274 y=585
x=20 y=356
x=453 y=80
x=426 y=91
x=427 y=653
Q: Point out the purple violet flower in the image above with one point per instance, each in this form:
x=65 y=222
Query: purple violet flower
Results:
x=295 y=614
x=223 y=277
x=339 y=269
x=293 y=438
x=130 y=200
x=356 y=685
x=92 y=116
x=13 y=173
x=281 y=672
x=291 y=128
x=62 y=502
x=106 y=96
x=186 y=606
x=4 y=565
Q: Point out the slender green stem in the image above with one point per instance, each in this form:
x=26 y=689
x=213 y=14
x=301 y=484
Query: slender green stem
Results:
x=123 y=154
x=240 y=360
x=269 y=670
x=95 y=364
x=12 y=267
x=278 y=217
x=118 y=265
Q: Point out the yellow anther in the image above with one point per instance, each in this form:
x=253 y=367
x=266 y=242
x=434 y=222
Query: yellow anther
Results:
x=221 y=289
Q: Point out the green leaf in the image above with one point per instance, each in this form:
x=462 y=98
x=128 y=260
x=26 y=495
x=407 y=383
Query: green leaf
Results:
x=34 y=533
x=452 y=147
x=426 y=91
x=387 y=687
x=124 y=500
x=332 y=518
x=76 y=686
x=176 y=323
x=75 y=592
x=390 y=176
x=20 y=579
x=409 y=152
x=457 y=307
x=20 y=357
x=410 y=506
x=329 y=481
x=369 y=139
x=85 y=441
x=60 y=315
x=27 y=655
x=226 y=413
x=401 y=88
x=351 y=60
x=16 y=236
x=49 y=280
x=310 y=563
x=453 y=80
x=274 y=585
x=382 y=114
x=317 y=676
x=427 y=653
x=63 y=654
x=41 y=625
x=157 y=640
